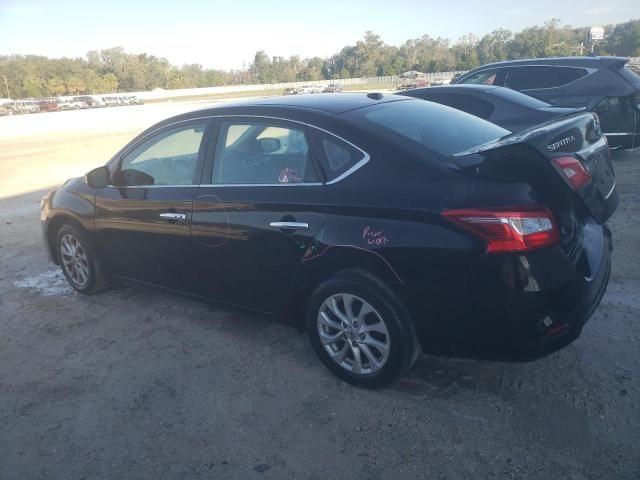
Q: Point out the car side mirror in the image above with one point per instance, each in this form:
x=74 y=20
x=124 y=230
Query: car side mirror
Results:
x=98 y=177
x=601 y=107
x=269 y=145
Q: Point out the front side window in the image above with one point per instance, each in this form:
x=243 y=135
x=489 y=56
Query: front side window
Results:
x=262 y=153
x=486 y=77
x=167 y=158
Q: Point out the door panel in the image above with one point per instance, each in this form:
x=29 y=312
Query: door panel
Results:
x=143 y=220
x=140 y=244
x=241 y=258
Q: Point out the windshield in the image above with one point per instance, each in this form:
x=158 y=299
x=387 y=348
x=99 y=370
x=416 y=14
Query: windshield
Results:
x=431 y=125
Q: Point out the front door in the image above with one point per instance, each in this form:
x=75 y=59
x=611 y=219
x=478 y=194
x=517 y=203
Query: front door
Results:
x=258 y=212
x=143 y=219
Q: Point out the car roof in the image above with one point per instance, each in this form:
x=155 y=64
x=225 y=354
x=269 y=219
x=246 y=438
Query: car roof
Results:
x=559 y=61
x=335 y=103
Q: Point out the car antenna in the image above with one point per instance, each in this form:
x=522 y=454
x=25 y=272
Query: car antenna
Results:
x=375 y=96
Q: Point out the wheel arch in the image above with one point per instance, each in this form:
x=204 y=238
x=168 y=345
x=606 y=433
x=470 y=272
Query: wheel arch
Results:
x=333 y=261
x=53 y=227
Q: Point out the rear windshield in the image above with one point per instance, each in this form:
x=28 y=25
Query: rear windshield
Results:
x=425 y=124
x=520 y=98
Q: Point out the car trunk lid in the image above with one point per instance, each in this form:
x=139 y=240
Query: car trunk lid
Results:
x=576 y=136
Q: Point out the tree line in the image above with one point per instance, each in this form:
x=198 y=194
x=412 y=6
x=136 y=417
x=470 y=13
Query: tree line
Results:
x=114 y=70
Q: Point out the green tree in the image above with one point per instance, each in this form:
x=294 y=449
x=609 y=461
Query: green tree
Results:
x=110 y=83
x=75 y=85
x=31 y=87
x=55 y=87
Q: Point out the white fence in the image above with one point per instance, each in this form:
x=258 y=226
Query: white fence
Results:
x=160 y=93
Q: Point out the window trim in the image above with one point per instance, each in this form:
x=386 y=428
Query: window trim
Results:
x=213 y=131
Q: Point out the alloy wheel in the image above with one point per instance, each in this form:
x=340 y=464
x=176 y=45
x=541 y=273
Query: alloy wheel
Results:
x=74 y=260
x=353 y=333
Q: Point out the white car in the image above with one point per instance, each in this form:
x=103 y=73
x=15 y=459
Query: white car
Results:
x=71 y=104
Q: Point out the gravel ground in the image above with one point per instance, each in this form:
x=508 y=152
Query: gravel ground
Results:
x=136 y=383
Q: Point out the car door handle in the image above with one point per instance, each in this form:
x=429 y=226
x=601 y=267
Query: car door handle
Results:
x=172 y=216
x=290 y=225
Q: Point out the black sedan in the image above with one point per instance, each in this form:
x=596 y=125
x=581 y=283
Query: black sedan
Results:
x=505 y=107
x=383 y=225
x=601 y=84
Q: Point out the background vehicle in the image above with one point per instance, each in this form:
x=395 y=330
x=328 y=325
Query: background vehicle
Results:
x=413 y=83
x=505 y=107
x=133 y=100
x=600 y=84
x=290 y=91
x=23 y=106
x=110 y=101
x=381 y=223
x=91 y=101
x=81 y=102
x=70 y=104
x=48 y=105
x=310 y=89
x=332 y=88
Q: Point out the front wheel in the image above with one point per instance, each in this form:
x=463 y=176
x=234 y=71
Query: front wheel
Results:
x=79 y=262
x=359 y=330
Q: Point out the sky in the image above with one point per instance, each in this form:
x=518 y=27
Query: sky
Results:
x=226 y=34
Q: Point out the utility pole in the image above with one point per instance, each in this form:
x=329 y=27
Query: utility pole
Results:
x=6 y=85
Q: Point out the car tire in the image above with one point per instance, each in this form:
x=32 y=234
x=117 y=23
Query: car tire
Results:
x=378 y=341
x=79 y=261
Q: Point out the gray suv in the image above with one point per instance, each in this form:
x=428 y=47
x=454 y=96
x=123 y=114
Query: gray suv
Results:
x=601 y=84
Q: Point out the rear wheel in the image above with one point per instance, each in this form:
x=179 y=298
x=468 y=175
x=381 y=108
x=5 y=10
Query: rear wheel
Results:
x=79 y=262
x=359 y=330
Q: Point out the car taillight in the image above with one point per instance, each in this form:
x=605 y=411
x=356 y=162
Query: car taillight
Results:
x=573 y=170
x=514 y=229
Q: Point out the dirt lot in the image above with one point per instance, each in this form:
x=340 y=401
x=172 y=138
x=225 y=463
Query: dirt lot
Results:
x=135 y=383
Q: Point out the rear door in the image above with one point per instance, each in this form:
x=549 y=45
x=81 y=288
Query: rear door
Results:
x=259 y=208
x=143 y=220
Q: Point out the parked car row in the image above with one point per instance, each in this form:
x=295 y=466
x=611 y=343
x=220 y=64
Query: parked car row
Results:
x=53 y=104
x=331 y=88
x=549 y=87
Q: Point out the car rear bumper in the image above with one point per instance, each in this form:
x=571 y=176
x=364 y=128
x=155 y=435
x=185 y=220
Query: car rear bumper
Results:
x=516 y=307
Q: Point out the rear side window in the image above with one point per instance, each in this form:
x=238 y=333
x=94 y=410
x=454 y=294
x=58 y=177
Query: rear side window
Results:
x=533 y=77
x=339 y=156
x=424 y=124
x=262 y=153
x=486 y=77
x=473 y=105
